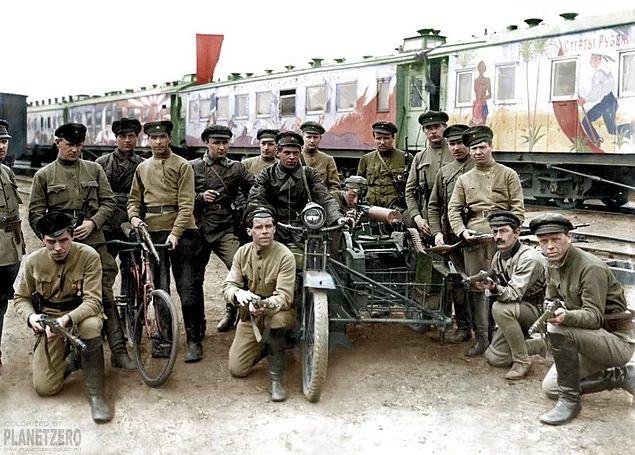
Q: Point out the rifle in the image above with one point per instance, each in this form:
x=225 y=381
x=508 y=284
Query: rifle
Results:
x=144 y=235
x=447 y=249
x=550 y=306
x=257 y=303
x=55 y=327
x=483 y=275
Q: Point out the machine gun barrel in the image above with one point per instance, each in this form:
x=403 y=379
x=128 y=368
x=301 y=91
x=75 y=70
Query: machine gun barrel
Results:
x=55 y=327
x=550 y=307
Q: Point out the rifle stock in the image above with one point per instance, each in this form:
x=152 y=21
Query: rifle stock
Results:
x=550 y=307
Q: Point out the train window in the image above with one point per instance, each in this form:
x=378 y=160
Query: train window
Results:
x=506 y=84
x=464 y=84
x=563 y=79
x=383 y=95
x=242 y=106
x=222 y=108
x=416 y=92
x=204 y=108
x=119 y=113
x=627 y=74
x=108 y=115
x=287 y=103
x=89 y=119
x=346 y=96
x=41 y=123
x=316 y=99
x=264 y=100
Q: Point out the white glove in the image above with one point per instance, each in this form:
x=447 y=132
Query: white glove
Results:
x=244 y=297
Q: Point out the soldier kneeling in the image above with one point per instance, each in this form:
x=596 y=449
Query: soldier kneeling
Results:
x=63 y=281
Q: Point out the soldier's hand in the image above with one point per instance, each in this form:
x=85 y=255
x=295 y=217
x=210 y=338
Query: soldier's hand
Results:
x=346 y=220
x=487 y=283
x=245 y=296
x=64 y=321
x=468 y=234
x=256 y=311
x=135 y=222
x=34 y=322
x=174 y=240
x=558 y=318
x=438 y=239
x=84 y=230
x=422 y=224
x=210 y=195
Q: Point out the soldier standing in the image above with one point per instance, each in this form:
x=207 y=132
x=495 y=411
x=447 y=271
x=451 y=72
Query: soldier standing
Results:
x=267 y=141
x=63 y=280
x=424 y=168
x=80 y=189
x=11 y=240
x=162 y=196
x=489 y=186
x=217 y=184
x=385 y=168
x=323 y=164
x=440 y=225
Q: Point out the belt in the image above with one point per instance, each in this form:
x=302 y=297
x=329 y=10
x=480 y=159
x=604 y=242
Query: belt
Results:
x=481 y=214
x=67 y=305
x=162 y=209
x=116 y=194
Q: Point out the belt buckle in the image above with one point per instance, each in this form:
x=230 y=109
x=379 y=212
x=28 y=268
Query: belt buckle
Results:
x=485 y=213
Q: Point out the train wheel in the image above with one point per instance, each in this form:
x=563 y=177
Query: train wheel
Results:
x=615 y=202
x=569 y=203
x=314 y=345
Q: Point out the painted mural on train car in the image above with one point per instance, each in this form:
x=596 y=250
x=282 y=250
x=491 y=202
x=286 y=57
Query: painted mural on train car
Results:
x=572 y=93
x=345 y=101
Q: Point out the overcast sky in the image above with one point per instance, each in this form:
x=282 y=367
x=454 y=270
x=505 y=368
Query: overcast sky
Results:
x=63 y=47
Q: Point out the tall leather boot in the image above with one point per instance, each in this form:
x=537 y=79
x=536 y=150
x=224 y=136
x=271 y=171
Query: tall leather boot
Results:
x=229 y=320
x=480 y=313
x=277 y=344
x=565 y=356
x=119 y=357
x=93 y=365
x=611 y=378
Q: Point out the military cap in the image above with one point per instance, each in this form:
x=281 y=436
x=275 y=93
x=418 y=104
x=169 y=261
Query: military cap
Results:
x=289 y=138
x=75 y=133
x=260 y=212
x=356 y=182
x=454 y=132
x=266 y=134
x=312 y=127
x=385 y=127
x=503 y=218
x=216 y=132
x=477 y=134
x=4 y=129
x=433 y=118
x=54 y=224
x=550 y=223
x=160 y=127
x=126 y=125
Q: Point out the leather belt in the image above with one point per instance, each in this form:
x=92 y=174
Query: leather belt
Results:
x=162 y=209
x=482 y=214
x=67 y=305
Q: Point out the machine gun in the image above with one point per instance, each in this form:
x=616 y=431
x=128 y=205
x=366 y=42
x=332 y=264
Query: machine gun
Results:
x=549 y=310
x=51 y=323
x=483 y=275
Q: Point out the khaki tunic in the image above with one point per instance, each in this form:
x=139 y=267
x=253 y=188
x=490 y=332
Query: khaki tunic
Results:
x=523 y=275
x=11 y=245
x=325 y=167
x=381 y=189
x=61 y=187
x=423 y=171
x=255 y=164
x=164 y=182
x=442 y=191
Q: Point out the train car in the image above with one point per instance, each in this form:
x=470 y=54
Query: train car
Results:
x=13 y=110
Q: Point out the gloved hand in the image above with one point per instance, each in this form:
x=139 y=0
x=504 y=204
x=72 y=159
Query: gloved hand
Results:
x=244 y=297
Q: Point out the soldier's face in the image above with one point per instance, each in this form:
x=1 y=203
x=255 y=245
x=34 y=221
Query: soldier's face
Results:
x=262 y=231
x=505 y=237
x=58 y=247
x=312 y=140
x=289 y=156
x=351 y=195
x=384 y=142
x=67 y=150
x=458 y=149
x=268 y=148
x=555 y=246
x=126 y=142
x=481 y=153
x=434 y=133
x=217 y=148
x=4 y=148
x=159 y=143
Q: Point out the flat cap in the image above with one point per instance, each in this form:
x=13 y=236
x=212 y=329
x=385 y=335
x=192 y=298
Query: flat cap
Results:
x=433 y=118
x=53 y=224
x=312 y=127
x=503 y=218
x=259 y=212
x=476 y=135
x=75 y=133
x=160 y=127
x=4 y=129
x=289 y=138
x=126 y=125
x=216 y=132
x=550 y=223
x=385 y=127
x=264 y=133
x=356 y=182
x=454 y=132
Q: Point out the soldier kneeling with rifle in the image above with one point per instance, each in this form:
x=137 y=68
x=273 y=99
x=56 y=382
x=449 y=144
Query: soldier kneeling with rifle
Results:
x=59 y=293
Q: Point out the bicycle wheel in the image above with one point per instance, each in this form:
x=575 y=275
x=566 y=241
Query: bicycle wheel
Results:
x=130 y=287
x=156 y=338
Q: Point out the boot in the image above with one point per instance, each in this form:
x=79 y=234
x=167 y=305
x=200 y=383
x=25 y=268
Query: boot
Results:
x=73 y=364
x=119 y=357
x=480 y=306
x=93 y=365
x=565 y=356
x=482 y=342
x=458 y=336
x=518 y=371
x=194 y=352
x=276 y=366
x=229 y=320
x=611 y=378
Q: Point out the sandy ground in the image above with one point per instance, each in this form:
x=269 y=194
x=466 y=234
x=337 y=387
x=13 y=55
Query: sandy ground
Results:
x=395 y=391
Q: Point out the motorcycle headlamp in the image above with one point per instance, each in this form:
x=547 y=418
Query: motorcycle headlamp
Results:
x=313 y=216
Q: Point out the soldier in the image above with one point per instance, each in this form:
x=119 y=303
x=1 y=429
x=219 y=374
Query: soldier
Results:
x=385 y=168
x=355 y=188
x=11 y=240
x=424 y=168
x=217 y=183
x=261 y=281
x=162 y=196
x=323 y=164
x=519 y=295
x=63 y=280
x=267 y=141
x=440 y=225
x=592 y=338
x=489 y=186
x=80 y=189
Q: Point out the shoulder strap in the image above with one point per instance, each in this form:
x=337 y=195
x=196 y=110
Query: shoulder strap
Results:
x=211 y=166
x=306 y=184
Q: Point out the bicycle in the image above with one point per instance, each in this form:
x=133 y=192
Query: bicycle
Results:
x=150 y=318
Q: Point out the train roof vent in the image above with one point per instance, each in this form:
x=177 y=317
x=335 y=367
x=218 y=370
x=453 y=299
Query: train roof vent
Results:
x=366 y=57
x=533 y=21
x=143 y=87
x=249 y=74
x=316 y=62
x=56 y=100
x=268 y=71
x=289 y=67
x=70 y=98
x=155 y=85
x=37 y=103
x=49 y=101
x=340 y=60
x=427 y=39
x=82 y=97
x=129 y=90
x=63 y=99
x=569 y=16
x=234 y=77
x=191 y=77
x=511 y=28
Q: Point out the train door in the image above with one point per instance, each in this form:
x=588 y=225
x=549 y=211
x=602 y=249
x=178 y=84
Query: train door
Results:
x=412 y=100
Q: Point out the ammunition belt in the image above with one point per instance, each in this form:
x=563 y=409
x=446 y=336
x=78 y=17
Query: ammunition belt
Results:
x=162 y=209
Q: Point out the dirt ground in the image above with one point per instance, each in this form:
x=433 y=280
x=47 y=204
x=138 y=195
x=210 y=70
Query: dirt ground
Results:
x=395 y=391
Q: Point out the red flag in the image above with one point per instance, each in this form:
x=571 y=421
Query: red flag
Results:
x=207 y=54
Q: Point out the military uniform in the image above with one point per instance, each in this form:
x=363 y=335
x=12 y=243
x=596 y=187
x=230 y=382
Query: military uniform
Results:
x=325 y=167
x=256 y=164
x=384 y=174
